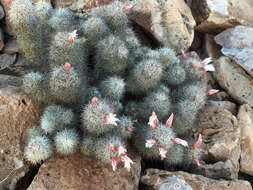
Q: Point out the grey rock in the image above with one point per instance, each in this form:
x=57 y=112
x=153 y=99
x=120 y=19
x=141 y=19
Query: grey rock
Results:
x=6 y=60
x=237 y=43
x=230 y=106
x=11 y=47
x=1 y=39
x=153 y=177
x=2 y=14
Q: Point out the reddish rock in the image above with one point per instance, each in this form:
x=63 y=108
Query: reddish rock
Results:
x=234 y=80
x=171 y=22
x=17 y=113
x=78 y=173
x=154 y=177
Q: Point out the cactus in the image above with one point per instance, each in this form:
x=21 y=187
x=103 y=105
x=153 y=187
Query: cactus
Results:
x=38 y=149
x=97 y=70
x=66 y=141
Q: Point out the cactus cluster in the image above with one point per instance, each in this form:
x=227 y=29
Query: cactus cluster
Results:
x=97 y=70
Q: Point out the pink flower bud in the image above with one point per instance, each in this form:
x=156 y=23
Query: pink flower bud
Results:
x=150 y=143
x=127 y=161
x=194 y=66
x=128 y=8
x=67 y=66
x=198 y=142
x=153 y=121
x=180 y=141
x=111 y=148
x=121 y=150
x=72 y=36
x=185 y=56
x=111 y=119
x=114 y=164
x=196 y=161
x=211 y=92
x=8 y=2
x=129 y=129
x=94 y=100
x=170 y=120
x=162 y=152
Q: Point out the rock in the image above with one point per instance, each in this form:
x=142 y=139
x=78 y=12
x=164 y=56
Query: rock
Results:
x=17 y=113
x=221 y=135
x=2 y=14
x=230 y=106
x=211 y=48
x=63 y=3
x=220 y=96
x=237 y=43
x=6 y=60
x=11 y=47
x=154 y=177
x=218 y=15
x=170 y=22
x=245 y=117
x=234 y=80
x=1 y=39
x=76 y=172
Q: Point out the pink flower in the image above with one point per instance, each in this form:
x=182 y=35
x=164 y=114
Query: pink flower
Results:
x=128 y=8
x=127 y=161
x=67 y=66
x=114 y=164
x=111 y=148
x=72 y=36
x=212 y=91
x=121 y=150
x=162 y=152
x=129 y=129
x=153 y=121
x=196 y=161
x=185 y=56
x=94 y=100
x=194 y=66
x=198 y=142
x=208 y=68
x=180 y=141
x=111 y=119
x=8 y=1
x=150 y=143
x=206 y=61
x=170 y=120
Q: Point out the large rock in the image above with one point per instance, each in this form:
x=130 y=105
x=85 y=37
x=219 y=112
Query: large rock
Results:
x=217 y=15
x=78 y=173
x=234 y=80
x=7 y=60
x=245 y=117
x=17 y=113
x=11 y=47
x=154 y=177
x=230 y=106
x=221 y=135
x=237 y=43
x=170 y=22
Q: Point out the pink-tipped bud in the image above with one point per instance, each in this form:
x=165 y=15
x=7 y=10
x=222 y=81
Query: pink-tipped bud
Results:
x=121 y=150
x=206 y=61
x=127 y=161
x=211 y=92
x=180 y=141
x=111 y=148
x=198 y=142
x=150 y=143
x=170 y=120
x=94 y=100
x=185 y=56
x=194 y=66
x=72 y=36
x=162 y=152
x=8 y=2
x=128 y=8
x=153 y=121
x=67 y=66
x=129 y=129
x=196 y=162
x=111 y=119
x=114 y=164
